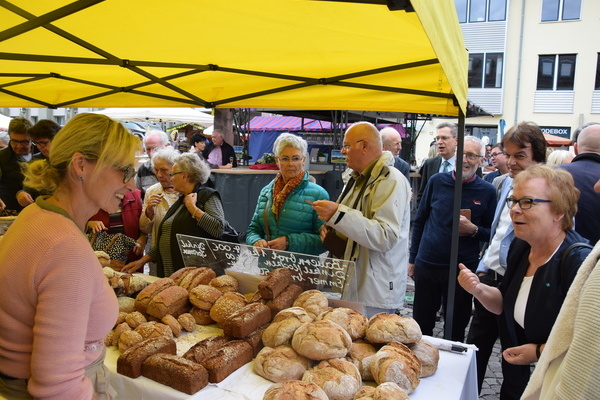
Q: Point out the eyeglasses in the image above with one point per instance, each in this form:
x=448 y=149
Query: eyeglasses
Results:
x=501 y=153
x=21 y=142
x=172 y=174
x=525 y=203
x=443 y=138
x=41 y=143
x=294 y=159
x=128 y=172
x=472 y=157
x=347 y=146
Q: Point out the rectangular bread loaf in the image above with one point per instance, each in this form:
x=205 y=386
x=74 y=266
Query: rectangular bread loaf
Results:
x=284 y=299
x=205 y=348
x=231 y=356
x=130 y=362
x=176 y=372
x=246 y=320
x=274 y=283
x=169 y=301
x=255 y=339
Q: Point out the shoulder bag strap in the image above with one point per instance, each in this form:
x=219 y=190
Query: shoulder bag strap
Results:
x=563 y=260
x=266 y=219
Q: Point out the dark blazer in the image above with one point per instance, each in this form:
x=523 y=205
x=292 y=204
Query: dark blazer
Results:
x=226 y=152
x=402 y=166
x=430 y=167
x=585 y=169
x=11 y=178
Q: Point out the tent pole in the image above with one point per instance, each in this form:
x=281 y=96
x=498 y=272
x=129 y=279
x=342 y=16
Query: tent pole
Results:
x=455 y=224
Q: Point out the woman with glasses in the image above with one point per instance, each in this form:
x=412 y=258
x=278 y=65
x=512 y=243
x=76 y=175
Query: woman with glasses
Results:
x=541 y=266
x=197 y=212
x=56 y=306
x=284 y=218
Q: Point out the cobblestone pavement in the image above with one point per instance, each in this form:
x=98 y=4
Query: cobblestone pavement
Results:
x=493 y=377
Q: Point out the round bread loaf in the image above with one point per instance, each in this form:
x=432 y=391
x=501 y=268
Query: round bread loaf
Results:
x=321 y=340
x=280 y=364
x=295 y=390
x=122 y=327
x=135 y=319
x=204 y=296
x=313 y=301
x=225 y=283
x=338 y=378
x=428 y=354
x=285 y=323
x=154 y=329
x=351 y=320
x=361 y=354
x=126 y=304
x=201 y=317
x=395 y=362
x=226 y=305
x=386 y=328
x=187 y=322
x=173 y=324
x=385 y=391
x=128 y=339
x=121 y=317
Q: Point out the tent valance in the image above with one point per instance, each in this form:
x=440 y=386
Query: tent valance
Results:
x=298 y=124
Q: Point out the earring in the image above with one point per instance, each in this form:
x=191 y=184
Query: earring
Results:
x=81 y=178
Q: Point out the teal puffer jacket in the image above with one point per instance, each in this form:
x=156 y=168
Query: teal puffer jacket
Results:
x=297 y=220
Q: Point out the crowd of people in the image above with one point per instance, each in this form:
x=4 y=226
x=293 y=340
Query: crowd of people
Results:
x=525 y=234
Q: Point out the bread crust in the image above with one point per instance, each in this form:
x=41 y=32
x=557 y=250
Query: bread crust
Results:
x=321 y=340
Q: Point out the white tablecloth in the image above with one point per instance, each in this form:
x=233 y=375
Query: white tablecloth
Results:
x=456 y=378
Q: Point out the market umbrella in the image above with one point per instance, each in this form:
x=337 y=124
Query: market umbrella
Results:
x=557 y=141
x=187 y=115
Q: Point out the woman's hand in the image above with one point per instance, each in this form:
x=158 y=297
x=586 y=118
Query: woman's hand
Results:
x=468 y=280
x=140 y=244
x=260 y=243
x=24 y=199
x=280 y=243
x=96 y=226
x=136 y=265
x=153 y=201
x=190 y=202
x=521 y=355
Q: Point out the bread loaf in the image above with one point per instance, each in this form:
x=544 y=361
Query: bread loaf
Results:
x=228 y=358
x=226 y=305
x=201 y=317
x=295 y=390
x=199 y=276
x=173 y=324
x=361 y=354
x=225 y=283
x=385 y=328
x=285 y=323
x=126 y=304
x=274 y=283
x=130 y=362
x=135 y=319
x=122 y=327
x=395 y=362
x=169 y=301
x=154 y=329
x=144 y=297
x=187 y=322
x=338 y=378
x=313 y=301
x=284 y=300
x=128 y=339
x=352 y=321
x=204 y=296
x=321 y=340
x=178 y=275
x=428 y=354
x=247 y=319
x=280 y=364
x=385 y=391
x=254 y=339
x=176 y=372
x=205 y=348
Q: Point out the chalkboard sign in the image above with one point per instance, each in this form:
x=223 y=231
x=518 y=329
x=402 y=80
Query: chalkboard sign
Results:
x=331 y=276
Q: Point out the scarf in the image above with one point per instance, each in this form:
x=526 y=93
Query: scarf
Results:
x=281 y=190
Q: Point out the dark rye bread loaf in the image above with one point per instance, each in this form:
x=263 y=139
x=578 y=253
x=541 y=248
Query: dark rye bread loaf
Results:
x=205 y=348
x=246 y=320
x=255 y=339
x=274 y=283
x=176 y=372
x=284 y=300
x=231 y=356
x=130 y=362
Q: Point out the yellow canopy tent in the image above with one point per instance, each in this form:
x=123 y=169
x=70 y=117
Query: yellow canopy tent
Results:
x=299 y=54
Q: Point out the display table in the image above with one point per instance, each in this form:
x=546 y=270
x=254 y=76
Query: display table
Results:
x=456 y=378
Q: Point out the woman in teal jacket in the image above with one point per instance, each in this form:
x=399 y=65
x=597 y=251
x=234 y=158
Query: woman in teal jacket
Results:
x=292 y=224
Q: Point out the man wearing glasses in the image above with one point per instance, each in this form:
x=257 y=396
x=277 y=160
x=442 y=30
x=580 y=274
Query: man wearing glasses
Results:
x=498 y=159
x=11 y=157
x=524 y=146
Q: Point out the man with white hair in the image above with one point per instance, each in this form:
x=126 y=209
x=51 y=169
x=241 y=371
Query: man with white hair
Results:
x=219 y=152
x=392 y=142
x=153 y=141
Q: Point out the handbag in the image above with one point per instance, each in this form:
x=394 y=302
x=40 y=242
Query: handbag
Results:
x=335 y=244
x=116 y=245
x=229 y=233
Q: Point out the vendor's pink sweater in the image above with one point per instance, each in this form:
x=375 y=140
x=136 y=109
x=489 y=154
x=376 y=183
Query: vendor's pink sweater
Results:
x=55 y=304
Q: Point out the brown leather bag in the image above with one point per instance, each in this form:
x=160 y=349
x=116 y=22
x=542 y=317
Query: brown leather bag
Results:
x=335 y=244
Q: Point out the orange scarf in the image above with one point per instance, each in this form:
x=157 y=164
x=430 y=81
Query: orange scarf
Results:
x=281 y=190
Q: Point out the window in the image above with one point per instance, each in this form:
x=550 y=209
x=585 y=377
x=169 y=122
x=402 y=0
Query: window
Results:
x=485 y=70
x=480 y=10
x=556 y=72
x=597 y=85
x=560 y=10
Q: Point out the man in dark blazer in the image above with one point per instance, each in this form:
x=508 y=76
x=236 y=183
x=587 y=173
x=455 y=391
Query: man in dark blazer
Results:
x=585 y=168
x=446 y=142
x=219 y=152
x=392 y=142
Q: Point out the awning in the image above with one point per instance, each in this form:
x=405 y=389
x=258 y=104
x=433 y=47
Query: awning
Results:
x=187 y=115
x=292 y=54
x=557 y=141
x=280 y=123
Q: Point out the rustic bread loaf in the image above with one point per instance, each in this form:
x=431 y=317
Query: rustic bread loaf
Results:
x=385 y=391
x=204 y=296
x=284 y=300
x=225 y=283
x=228 y=358
x=144 y=297
x=178 y=275
x=321 y=340
x=395 y=362
x=351 y=320
x=385 y=328
x=199 y=276
x=284 y=324
x=280 y=364
x=169 y=301
x=361 y=354
x=130 y=362
x=295 y=390
x=313 y=301
x=205 y=348
x=176 y=372
x=274 y=283
x=338 y=378
x=187 y=322
x=135 y=319
x=119 y=329
x=201 y=317
x=128 y=339
x=247 y=319
x=428 y=354
x=226 y=305
x=126 y=304
x=154 y=329
x=173 y=324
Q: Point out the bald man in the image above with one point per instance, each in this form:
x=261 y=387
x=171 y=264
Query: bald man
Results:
x=585 y=169
x=392 y=142
x=373 y=215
